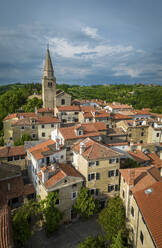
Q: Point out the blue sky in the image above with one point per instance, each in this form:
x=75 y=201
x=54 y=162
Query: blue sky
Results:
x=91 y=41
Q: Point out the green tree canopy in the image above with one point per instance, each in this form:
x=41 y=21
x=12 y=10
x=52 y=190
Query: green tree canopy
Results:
x=112 y=218
x=51 y=214
x=24 y=137
x=85 y=205
x=130 y=163
x=93 y=242
x=117 y=241
x=31 y=104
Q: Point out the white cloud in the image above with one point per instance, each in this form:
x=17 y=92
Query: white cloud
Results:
x=92 y=32
x=67 y=49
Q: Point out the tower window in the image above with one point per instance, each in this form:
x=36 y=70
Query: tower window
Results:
x=63 y=101
x=49 y=84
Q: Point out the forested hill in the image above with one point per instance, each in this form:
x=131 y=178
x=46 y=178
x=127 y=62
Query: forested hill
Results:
x=14 y=96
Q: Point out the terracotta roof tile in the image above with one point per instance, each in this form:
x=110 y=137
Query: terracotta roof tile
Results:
x=11 y=151
x=94 y=150
x=139 y=156
x=120 y=106
x=45 y=110
x=39 y=150
x=38 y=121
x=152 y=214
x=68 y=108
x=89 y=129
x=155 y=160
x=18 y=115
x=121 y=117
x=63 y=171
x=87 y=109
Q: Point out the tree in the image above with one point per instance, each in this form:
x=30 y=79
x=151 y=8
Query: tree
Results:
x=22 y=222
x=31 y=104
x=130 y=163
x=93 y=242
x=20 y=141
x=85 y=204
x=112 y=218
x=117 y=241
x=51 y=215
x=1 y=141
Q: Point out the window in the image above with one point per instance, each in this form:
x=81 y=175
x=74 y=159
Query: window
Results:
x=111 y=173
x=142 y=134
x=117 y=160
x=80 y=133
x=93 y=192
x=110 y=188
x=16 y=157
x=141 y=237
x=33 y=135
x=10 y=158
x=91 y=163
x=130 y=135
x=76 y=113
x=141 y=141
x=116 y=187
x=49 y=84
x=132 y=211
x=97 y=162
x=67 y=148
x=112 y=160
x=157 y=135
x=22 y=127
x=43 y=134
x=123 y=194
x=57 y=202
x=74 y=195
x=42 y=126
x=33 y=126
x=97 y=176
x=91 y=176
x=22 y=156
x=52 y=125
x=74 y=185
x=117 y=173
x=62 y=156
x=43 y=160
x=63 y=101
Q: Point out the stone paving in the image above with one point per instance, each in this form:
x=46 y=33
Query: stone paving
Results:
x=68 y=236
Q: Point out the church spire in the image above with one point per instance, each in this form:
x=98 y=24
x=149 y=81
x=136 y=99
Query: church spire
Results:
x=48 y=68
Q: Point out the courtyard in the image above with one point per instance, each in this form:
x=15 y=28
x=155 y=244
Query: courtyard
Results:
x=68 y=236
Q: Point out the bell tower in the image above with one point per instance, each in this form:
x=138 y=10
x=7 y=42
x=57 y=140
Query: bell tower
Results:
x=48 y=84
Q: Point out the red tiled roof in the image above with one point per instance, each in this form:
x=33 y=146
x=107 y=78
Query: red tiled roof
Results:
x=141 y=112
x=89 y=129
x=6 y=240
x=18 y=115
x=94 y=150
x=38 y=120
x=63 y=171
x=87 y=109
x=37 y=151
x=139 y=156
x=151 y=208
x=155 y=160
x=118 y=144
x=121 y=117
x=45 y=110
x=68 y=108
x=87 y=115
x=11 y=151
x=101 y=114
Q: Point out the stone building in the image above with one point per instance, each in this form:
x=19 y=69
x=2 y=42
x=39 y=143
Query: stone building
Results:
x=63 y=179
x=141 y=190
x=100 y=167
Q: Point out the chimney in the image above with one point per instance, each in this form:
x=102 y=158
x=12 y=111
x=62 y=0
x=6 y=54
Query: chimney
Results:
x=82 y=147
x=36 y=110
x=44 y=172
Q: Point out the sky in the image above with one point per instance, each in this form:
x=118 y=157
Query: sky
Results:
x=90 y=41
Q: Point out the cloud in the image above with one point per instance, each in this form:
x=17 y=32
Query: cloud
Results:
x=92 y=32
